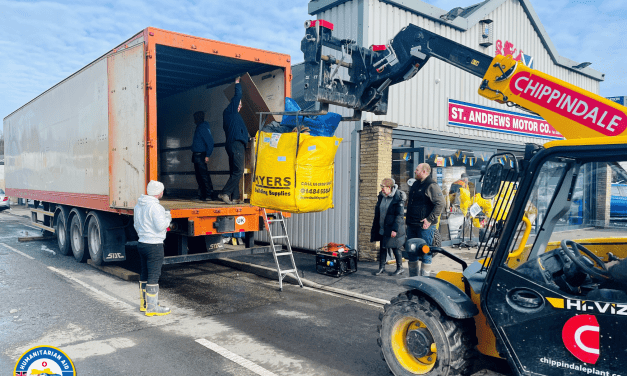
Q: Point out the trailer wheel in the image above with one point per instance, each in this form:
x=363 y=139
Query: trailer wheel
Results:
x=63 y=233
x=79 y=243
x=417 y=338
x=94 y=239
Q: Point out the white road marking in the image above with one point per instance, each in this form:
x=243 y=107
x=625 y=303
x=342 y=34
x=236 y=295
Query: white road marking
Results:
x=93 y=289
x=97 y=348
x=16 y=251
x=235 y=358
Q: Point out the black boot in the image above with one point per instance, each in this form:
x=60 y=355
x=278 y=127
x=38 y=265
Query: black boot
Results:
x=382 y=258
x=399 y=261
x=414 y=268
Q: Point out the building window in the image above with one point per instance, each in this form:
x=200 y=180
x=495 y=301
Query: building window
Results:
x=396 y=143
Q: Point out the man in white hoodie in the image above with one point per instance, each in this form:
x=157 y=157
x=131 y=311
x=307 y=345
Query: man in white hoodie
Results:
x=151 y=223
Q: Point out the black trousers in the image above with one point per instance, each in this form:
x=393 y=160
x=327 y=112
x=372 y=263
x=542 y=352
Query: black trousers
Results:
x=151 y=257
x=202 y=175
x=235 y=152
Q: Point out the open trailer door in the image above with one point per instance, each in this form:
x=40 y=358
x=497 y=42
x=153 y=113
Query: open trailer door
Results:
x=127 y=127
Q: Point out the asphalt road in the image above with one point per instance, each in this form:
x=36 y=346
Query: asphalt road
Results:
x=224 y=322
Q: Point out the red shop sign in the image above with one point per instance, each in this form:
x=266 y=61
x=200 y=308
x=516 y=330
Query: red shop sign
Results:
x=468 y=115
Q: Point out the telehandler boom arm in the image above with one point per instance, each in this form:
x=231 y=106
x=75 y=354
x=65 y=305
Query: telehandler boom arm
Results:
x=574 y=112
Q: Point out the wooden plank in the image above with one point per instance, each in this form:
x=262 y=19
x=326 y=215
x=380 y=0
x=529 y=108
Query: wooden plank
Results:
x=252 y=103
x=249 y=162
x=36 y=224
x=117 y=271
x=34 y=238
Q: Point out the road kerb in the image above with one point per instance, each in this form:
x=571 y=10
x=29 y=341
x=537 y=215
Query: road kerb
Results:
x=270 y=273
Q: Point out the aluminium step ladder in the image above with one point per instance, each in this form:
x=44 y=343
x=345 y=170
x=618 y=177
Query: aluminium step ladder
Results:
x=277 y=249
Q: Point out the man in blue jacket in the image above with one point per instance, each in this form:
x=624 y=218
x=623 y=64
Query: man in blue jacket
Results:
x=202 y=147
x=236 y=139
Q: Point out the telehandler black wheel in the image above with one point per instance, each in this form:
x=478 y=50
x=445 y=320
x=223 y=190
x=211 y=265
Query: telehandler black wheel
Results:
x=417 y=338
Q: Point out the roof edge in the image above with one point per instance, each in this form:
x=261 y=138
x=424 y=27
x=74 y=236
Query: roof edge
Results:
x=319 y=6
x=548 y=44
x=463 y=24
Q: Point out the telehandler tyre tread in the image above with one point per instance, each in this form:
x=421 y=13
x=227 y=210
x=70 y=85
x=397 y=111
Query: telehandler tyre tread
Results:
x=454 y=339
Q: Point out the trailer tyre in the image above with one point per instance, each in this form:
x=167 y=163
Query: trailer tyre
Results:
x=417 y=338
x=94 y=239
x=78 y=241
x=63 y=233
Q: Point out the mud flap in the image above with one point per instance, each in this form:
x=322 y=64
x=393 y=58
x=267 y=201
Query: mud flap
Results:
x=113 y=239
x=454 y=302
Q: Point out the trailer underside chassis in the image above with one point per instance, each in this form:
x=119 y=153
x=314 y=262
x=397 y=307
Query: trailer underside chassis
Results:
x=197 y=226
x=103 y=237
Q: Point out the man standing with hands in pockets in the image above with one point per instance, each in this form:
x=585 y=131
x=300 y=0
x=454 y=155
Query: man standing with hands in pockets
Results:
x=424 y=206
x=202 y=147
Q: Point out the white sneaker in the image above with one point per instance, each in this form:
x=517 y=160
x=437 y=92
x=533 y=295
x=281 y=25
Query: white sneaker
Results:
x=225 y=198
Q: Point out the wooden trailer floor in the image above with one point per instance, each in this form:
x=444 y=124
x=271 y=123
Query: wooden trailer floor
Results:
x=174 y=204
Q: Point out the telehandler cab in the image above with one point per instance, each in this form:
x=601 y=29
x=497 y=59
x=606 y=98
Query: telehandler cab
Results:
x=540 y=294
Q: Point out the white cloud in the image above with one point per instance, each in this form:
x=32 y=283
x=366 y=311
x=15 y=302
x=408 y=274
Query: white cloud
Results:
x=43 y=42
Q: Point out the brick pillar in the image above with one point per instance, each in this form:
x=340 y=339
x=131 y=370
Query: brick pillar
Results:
x=375 y=165
x=604 y=194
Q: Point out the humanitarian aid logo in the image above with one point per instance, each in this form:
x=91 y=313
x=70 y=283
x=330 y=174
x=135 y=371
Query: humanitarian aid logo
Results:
x=44 y=360
x=581 y=337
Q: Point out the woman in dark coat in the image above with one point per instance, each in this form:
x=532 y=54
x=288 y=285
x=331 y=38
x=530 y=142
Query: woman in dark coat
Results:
x=388 y=226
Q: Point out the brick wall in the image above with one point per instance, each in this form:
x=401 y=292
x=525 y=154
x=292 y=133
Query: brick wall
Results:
x=375 y=165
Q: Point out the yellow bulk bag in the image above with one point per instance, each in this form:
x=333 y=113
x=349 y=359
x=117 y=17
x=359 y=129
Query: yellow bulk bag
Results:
x=294 y=173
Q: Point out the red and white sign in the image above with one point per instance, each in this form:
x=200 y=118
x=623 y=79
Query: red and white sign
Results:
x=575 y=106
x=470 y=115
x=581 y=337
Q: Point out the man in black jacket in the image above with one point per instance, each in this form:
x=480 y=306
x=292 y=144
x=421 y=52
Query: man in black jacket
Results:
x=424 y=205
x=236 y=139
x=202 y=147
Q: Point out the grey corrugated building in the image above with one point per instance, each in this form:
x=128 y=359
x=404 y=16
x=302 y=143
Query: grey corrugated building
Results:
x=420 y=124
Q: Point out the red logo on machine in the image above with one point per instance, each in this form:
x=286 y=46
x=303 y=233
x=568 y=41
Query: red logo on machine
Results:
x=568 y=103
x=581 y=337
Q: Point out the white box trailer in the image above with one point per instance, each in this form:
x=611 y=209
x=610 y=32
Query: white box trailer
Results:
x=86 y=148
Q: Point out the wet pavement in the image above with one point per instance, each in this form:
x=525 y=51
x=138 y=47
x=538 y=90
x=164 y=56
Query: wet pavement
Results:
x=363 y=281
x=95 y=318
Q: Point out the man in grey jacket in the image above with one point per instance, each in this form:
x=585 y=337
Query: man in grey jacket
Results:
x=151 y=222
x=388 y=226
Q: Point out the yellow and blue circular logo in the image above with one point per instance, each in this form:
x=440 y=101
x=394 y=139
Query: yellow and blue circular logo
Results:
x=44 y=360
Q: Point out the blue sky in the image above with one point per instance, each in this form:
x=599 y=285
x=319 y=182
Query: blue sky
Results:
x=42 y=42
